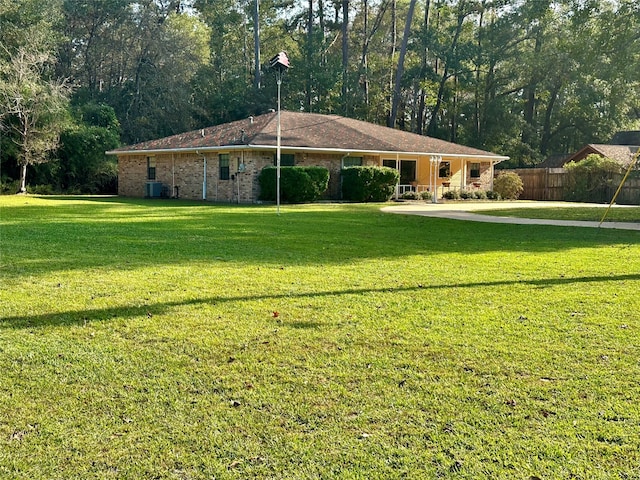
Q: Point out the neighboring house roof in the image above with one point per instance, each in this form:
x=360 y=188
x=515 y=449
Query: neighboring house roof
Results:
x=306 y=131
x=622 y=154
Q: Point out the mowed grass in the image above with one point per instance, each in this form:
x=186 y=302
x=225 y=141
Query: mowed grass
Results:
x=161 y=339
x=618 y=213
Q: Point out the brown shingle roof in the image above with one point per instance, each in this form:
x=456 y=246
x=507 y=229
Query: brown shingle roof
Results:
x=310 y=131
x=623 y=154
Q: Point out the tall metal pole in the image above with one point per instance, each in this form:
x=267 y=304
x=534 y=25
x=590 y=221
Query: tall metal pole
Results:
x=279 y=82
x=280 y=63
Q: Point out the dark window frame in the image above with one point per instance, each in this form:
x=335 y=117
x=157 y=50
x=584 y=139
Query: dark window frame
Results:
x=224 y=167
x=151 y=168
x=474 y=171
x=444 y=171
x=352 y=162
x=286 y=159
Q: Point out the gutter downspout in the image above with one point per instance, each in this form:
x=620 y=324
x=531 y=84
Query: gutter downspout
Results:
x=204 y=175
x=173 y=174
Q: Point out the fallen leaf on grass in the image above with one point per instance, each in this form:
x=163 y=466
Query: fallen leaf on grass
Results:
x=275 y=314
x=17 y=435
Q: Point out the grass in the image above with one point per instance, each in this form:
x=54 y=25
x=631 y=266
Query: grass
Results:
x=592 y=214
x=160 y=339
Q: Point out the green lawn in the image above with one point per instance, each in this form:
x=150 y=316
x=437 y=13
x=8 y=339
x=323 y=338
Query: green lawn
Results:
x=175 y=340
x=590 y=214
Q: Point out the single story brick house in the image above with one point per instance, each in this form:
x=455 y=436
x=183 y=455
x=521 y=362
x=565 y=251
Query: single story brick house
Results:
x=222 y=163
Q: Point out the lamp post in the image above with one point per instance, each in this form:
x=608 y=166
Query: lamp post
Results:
x=280 y=63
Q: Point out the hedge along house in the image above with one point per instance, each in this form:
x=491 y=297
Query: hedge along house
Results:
x=222 y=163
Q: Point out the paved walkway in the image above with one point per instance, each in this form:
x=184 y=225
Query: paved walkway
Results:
x=463 y=211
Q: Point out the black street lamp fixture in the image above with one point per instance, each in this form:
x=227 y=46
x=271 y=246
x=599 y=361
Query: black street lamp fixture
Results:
x=280 y=63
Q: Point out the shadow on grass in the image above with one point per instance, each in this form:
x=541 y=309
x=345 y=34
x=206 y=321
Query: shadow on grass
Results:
x=79 y=317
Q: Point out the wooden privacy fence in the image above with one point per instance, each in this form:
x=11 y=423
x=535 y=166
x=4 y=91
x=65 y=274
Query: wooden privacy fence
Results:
x=550 y=183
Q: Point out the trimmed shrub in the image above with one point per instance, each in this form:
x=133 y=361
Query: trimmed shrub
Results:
x=369 y=184
x=593 y=179
x=297 y=184
x=491 y=195
x=451 y=195
x=508 y=185
x=466 y=194
x=480 y=194
x=425 y=195
x=410 y=195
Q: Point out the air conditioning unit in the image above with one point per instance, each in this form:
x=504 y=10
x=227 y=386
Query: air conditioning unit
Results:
x=153 y=190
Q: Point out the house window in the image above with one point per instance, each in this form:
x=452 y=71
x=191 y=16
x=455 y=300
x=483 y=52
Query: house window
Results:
x=407 y=171
x=286 y=159
x=151 y=168
x=389 y=163
x=475 y=170
x=351 y=162
x=445 y=170
x=223 y=164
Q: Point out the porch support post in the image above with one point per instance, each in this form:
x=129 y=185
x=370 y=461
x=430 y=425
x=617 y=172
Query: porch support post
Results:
x=433 y=176
x=399 y=179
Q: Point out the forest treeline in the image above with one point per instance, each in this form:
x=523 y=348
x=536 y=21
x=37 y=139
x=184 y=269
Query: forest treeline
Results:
x=524 y=78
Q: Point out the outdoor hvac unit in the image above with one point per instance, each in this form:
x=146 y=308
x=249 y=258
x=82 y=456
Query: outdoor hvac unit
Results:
x=154 y=190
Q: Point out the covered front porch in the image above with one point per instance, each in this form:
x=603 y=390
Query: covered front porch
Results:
x=439 y=174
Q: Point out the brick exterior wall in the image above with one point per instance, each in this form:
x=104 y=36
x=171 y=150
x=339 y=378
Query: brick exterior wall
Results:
x=186 y=172
x=485 y=179
x=183 y=173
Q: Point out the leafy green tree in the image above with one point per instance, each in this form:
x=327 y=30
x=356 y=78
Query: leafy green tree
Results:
x=593 y=179
x=82 y=165
x=33 y=107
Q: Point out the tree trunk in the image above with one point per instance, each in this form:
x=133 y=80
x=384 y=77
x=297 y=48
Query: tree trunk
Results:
x=433 y=121
x=310 y=64
x=546 y=131
x=256 y=44
x=345 y=54
x=400 y=70
x=364 y=67
x=23 y=179
x=423 y=73
x=530 y=105
x=392 y=53
x=476 y=106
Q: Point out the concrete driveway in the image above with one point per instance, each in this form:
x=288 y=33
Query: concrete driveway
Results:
x=464 y=211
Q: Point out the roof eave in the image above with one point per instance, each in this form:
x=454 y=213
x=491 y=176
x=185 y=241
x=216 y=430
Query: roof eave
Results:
x=346 y=151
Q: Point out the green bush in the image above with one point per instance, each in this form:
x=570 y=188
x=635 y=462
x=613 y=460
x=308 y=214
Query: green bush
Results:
x=479 y=194
x=297 y=184
x=508 y=185
x=41 y=190
x=369 y=184
x=491 y=195
x=466 y=194
x=593 y=179
x=425 y=195
x=410 y=195
x=8 y=186
x=451 y=195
